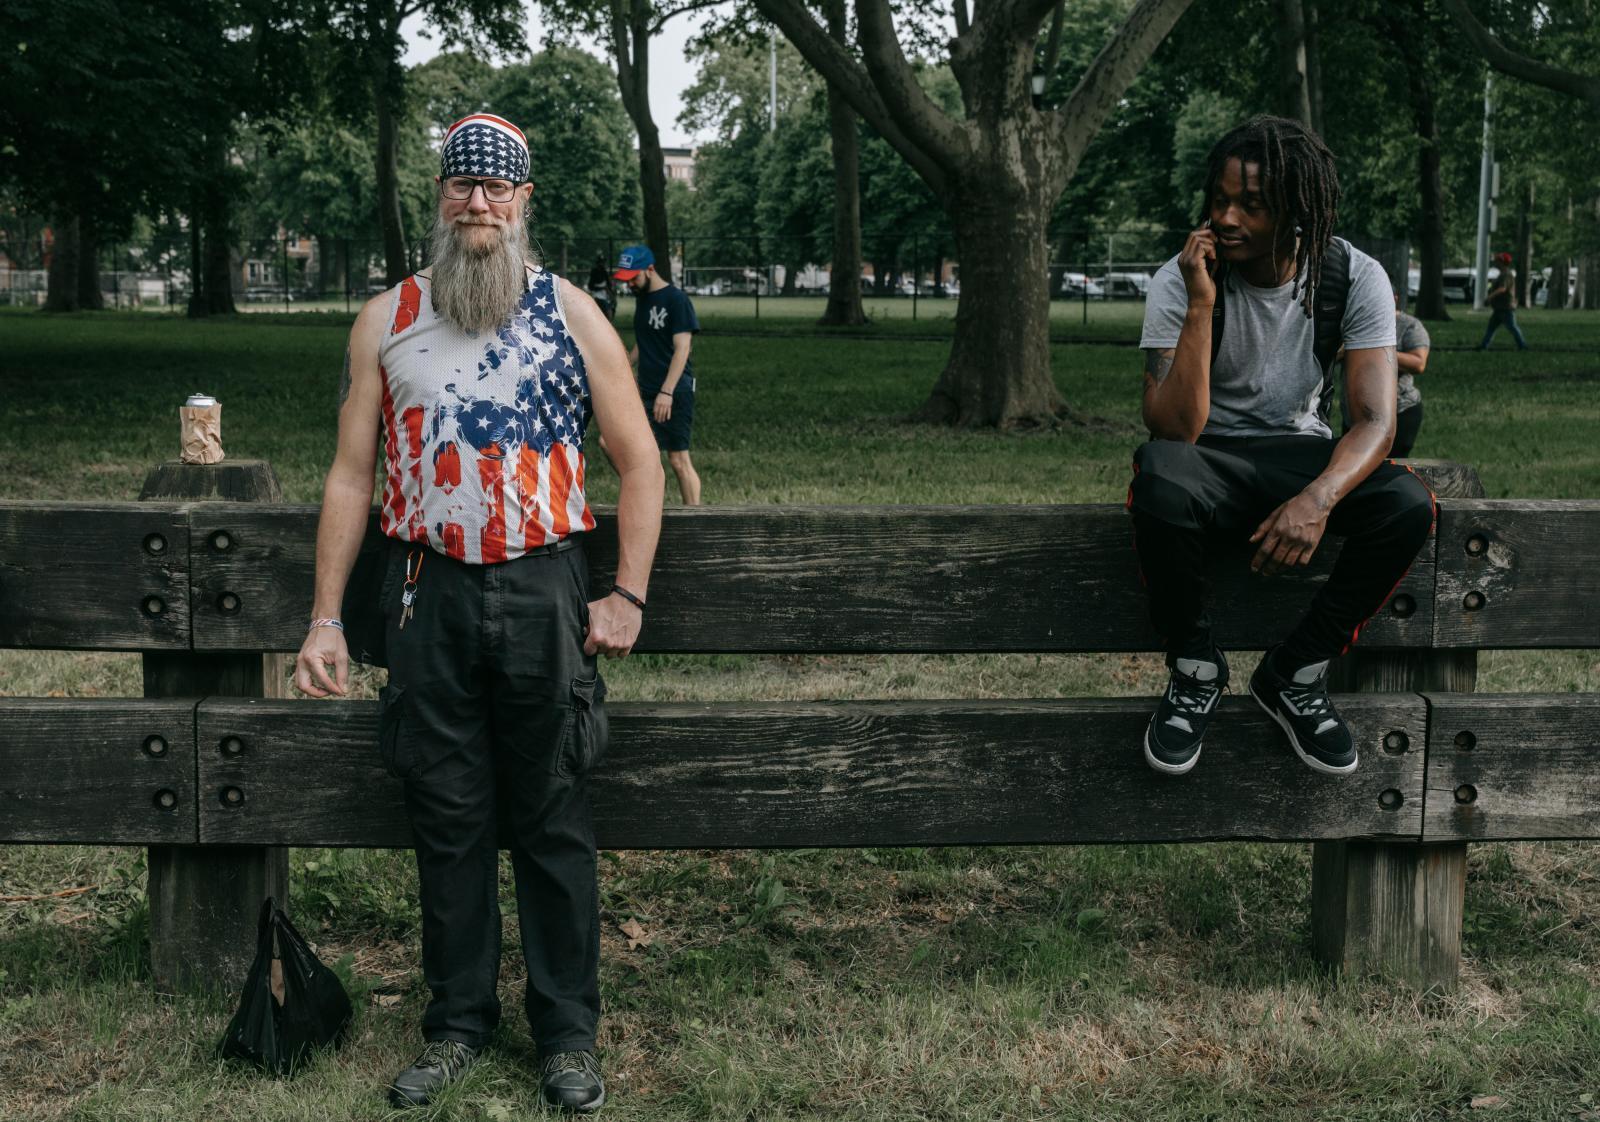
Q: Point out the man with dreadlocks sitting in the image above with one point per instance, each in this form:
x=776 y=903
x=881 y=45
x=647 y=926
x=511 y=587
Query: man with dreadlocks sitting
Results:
x=1236 y=389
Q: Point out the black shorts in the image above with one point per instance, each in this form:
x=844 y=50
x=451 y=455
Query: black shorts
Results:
x=674 y=435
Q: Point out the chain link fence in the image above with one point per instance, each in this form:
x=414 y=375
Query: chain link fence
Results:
x=759 y=274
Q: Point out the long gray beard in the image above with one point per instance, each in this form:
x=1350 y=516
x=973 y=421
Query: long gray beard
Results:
x=476 y=290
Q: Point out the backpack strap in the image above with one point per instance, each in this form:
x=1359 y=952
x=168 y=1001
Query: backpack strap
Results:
x=1328 y=307
x=1219 y=314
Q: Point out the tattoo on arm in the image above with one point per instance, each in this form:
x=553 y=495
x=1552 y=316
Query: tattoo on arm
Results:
x=344 y=380
x=1157 y=365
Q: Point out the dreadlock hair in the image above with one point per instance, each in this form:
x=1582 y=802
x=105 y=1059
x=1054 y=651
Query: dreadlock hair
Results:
x=1298 y=180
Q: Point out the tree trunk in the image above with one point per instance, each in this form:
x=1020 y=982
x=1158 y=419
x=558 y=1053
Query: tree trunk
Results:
x=791 y=273
x=197 y=272
x=1430 y=232
x=1560 y=280
x=881 y=268
x=396 y=265
x=653 y=188
x=1523 y=264
x=630 y=47
x=87 y=273
x=844 y=270
x=219 y=265
x=211 y=236
x=326 y=274
x=1589 y=272
x=1060 y=265
x=1294 y=91
x=999 y=368
x=61 y=285
x=1313 y=65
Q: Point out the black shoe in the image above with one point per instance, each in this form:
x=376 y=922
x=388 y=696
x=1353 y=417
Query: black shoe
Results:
x=571 y=1081
x=1172 y=739
x=1302 y=708
x=442 y=1062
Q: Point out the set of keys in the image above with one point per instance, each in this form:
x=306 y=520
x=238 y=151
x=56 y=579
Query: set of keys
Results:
x=408 y=591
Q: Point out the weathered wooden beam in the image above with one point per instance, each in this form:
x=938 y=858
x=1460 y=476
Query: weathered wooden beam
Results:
x=1512 y=766
x=828 y=579
x=842 y=774
x=94 y=576
x=97 y=771
x=204 y=900
x=1395 y=907
x=1518 y=573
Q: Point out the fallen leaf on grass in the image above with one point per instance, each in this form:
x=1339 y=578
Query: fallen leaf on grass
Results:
x=1487 y=1102
x=637 y=935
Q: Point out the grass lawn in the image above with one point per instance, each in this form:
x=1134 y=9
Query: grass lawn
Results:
x=1115 y=982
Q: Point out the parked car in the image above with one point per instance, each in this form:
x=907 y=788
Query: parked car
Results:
x=1126 y=285
x=1458 y=285
x=1541 y=282
x=259 y=293
x=1079 y=284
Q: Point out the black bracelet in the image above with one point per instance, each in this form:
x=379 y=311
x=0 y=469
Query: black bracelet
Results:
x=628 y=596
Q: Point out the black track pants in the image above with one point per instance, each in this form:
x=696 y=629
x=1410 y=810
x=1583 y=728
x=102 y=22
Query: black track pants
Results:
x=493 y=718
x=1185 y=497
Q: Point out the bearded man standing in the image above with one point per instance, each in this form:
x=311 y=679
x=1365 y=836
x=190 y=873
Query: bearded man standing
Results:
x=482 y=373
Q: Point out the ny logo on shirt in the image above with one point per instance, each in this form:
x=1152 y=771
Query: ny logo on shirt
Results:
x=658 y=317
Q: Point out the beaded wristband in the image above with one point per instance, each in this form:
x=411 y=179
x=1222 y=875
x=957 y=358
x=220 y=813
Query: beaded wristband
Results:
x=628 y=596
x=329 y=622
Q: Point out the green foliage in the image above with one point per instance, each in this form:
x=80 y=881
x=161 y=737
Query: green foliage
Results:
x=1203 y=118
x=109 y=106
x=580 y=140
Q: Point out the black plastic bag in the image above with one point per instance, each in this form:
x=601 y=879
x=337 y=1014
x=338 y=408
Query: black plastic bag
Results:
x=292 y=1003
x=362 y=609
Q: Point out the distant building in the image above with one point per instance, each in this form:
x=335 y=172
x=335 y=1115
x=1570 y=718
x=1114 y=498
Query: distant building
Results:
x=680 y=164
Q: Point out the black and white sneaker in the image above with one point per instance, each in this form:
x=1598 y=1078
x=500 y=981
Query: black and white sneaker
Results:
x=1302 y=708
x=1177 y=728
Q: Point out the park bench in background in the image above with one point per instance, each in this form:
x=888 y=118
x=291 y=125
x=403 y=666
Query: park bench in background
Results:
x=216 y=778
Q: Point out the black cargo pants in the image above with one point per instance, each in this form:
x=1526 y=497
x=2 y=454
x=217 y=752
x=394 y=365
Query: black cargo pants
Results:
x=493 y=716
x=1186 y=497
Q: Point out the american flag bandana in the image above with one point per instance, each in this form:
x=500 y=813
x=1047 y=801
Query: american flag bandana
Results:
x=487 y=147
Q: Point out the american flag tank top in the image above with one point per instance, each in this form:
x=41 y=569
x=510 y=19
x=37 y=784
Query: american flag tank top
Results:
x=483 y=435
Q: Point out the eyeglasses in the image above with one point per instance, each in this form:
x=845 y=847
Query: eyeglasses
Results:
x=460 y=187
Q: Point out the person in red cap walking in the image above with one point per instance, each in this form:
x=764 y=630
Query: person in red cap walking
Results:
x=482 y=373
x=1502 y=300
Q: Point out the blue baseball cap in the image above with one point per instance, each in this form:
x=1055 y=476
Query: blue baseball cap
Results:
x=633 y=261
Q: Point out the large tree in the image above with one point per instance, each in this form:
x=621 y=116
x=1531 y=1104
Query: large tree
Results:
x=997 y=168
x=582 y=167
x=86 y=124
x=627 y=27
x=369 y=32
x=844 y=271
x=1584 y=87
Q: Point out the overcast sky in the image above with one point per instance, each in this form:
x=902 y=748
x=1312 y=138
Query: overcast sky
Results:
x=670 y=74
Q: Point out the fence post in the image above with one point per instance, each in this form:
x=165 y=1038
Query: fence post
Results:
x=204 y=900
x=1395 y=907
x=916 y=276
x=1086 y=278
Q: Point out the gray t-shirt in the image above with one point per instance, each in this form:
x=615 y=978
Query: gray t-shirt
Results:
x=1411 y=336
x=1265 y=381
